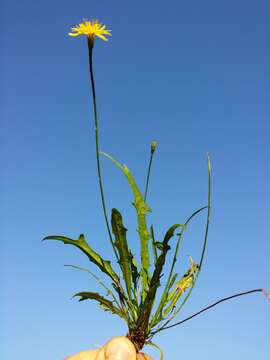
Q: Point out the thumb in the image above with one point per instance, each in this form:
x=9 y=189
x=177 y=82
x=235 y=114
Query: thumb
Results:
x=119 y=348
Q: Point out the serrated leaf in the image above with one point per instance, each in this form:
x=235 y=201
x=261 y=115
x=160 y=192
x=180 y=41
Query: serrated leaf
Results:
x=154 y=249
x=121 y=244
x=134 y=273
x=159 y=245
x=141 y=210
x=147 y=305
x=105 y=303
x=94 y=257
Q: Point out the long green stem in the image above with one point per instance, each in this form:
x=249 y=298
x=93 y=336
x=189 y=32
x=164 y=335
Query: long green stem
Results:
x=90 y=50
x=148 y=176
x=153 y=148
x=154 y=249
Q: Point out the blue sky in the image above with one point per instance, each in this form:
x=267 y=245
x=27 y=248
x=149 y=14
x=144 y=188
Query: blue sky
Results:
x=194 y=76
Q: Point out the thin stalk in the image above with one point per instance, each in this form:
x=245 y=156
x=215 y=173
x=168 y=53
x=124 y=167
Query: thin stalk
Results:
x=209 y=307
x=148 y=175
x=109 y=291
x=209 y=202
x=90 y=51
x=154 y=249
x=157 y=347
x=180 y=236
x=165 y=291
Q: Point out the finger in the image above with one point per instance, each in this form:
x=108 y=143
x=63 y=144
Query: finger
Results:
x=142 y=356
x=84 y=355
x=119 y=348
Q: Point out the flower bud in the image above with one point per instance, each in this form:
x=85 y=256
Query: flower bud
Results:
x=153 y=146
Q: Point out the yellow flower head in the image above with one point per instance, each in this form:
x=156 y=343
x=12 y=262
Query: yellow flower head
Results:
x=90 y=29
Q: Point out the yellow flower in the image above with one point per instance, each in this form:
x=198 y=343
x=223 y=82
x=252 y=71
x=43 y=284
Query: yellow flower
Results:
x=90 y=29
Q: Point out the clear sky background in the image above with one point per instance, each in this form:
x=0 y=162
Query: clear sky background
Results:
x=193 y=75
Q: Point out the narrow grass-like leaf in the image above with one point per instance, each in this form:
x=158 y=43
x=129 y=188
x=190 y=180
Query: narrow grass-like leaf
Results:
x=121 y=244
x=157 y=347
x=141 y=210
x=173 y=279
x=94 y=257
x=209 y=206
x=109 y=291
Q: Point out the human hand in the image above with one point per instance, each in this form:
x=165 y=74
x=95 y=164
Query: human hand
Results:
x=118 y=348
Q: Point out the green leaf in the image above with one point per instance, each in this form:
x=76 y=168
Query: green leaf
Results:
x=141 y=210
x=134 y=274
x=154 y=250
x=121 y=244
x=109 y=291
x=157 y=347
x=172 y=281
x=159 y=245
x=93 y=256
x=146 y=306
x=106 y=304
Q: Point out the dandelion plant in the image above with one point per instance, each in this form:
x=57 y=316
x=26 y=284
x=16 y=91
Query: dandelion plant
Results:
x=134 y=287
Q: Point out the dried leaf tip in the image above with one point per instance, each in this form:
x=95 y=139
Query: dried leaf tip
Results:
x=266 y=294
